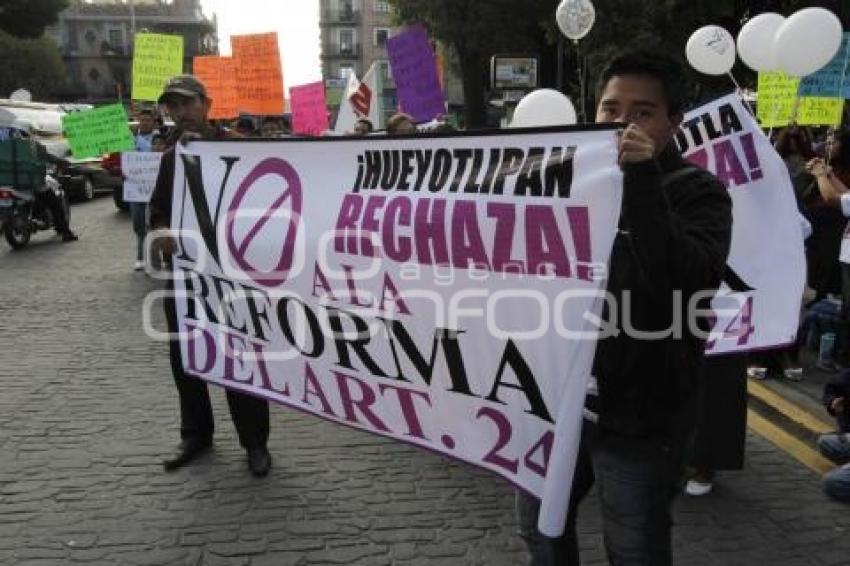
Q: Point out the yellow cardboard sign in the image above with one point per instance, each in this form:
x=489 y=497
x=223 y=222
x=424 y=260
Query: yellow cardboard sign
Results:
x=777 y=94
x=156 y=58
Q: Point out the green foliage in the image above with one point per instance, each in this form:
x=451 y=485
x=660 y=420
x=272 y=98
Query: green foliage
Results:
x=476 y=29
x=33 y=64
x=28 y=18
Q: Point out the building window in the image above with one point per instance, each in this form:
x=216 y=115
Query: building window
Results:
x=94 y=74
x=346 y=42
x=116 y=40
x=91 y=36
x=345 y=71
x=346 y=9
x=384 y=66
x=382 y=6
x=381 y=37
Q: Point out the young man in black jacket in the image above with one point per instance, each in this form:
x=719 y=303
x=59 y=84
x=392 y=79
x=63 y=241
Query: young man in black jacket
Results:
x=672 y=244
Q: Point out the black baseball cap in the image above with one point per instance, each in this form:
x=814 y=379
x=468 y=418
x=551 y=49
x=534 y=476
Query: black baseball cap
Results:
x=183 y=85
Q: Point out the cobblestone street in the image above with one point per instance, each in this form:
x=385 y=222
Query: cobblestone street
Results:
x=88 y=411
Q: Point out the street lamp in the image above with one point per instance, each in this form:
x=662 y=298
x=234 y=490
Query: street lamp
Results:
x=575 y=19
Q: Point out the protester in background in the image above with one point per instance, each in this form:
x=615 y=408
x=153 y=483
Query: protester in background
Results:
x=836 y=446
x=139 y=210
x=721 y=428
x=828 y=225
x=794 y=145
x=401 y=124
x=270 y=128
x=836 y=399
x=833 y=180
x=245 y=127
x=159 y=143
x=146 y=130
x=362 y=127
x=674 y=237
x=186 y=99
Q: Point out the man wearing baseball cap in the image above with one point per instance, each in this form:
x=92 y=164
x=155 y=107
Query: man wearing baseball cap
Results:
x=185 y=99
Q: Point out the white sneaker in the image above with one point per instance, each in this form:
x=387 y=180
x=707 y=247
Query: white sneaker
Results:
x=697 y=488
x=139 y=265
x=758 y=373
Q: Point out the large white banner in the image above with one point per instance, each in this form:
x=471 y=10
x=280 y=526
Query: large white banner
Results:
x=429 y=289
x=758 y=305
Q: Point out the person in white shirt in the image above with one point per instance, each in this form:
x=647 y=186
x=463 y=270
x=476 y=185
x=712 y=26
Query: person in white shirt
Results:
x=139 y=210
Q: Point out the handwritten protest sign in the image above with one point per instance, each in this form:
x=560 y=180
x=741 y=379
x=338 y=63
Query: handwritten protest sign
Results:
x=425 y=293
x=219 y=76
x=156 y=58
x=777 y=93
x=259 y=74
x=414 y=69
x=766 y=264
x=92 y=133
x=309 y=111
x=834 y=79
x=139 y=169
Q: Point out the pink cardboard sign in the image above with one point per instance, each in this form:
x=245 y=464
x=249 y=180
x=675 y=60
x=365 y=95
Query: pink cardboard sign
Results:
x=309 y=111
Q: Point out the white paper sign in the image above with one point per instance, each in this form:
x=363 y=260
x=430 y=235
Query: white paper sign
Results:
x=139 y=169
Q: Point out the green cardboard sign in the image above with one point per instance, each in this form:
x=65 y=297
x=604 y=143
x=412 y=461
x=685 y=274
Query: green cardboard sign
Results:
x=93 y=133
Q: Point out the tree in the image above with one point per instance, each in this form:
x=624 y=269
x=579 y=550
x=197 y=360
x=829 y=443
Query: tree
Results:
x=28 y=18
x=475 y=30
x=33 y=64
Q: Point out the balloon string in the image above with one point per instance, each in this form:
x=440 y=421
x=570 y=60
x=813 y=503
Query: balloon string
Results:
x=740 y=92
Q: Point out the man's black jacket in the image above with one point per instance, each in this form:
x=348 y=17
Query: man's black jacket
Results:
x=675 y=232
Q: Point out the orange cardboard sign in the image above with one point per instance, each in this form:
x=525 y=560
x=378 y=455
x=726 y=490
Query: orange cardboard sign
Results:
x=259 y=74
x=219 y=76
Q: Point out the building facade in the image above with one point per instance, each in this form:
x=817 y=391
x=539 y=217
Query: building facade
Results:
x=96 y=40
x=354 y=35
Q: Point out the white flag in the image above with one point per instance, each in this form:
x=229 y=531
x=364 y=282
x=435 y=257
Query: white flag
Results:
x=346 y=117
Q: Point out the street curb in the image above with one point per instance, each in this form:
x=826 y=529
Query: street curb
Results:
x=788 y=426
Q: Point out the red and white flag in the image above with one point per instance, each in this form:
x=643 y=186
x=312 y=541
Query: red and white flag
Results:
x=360 y=100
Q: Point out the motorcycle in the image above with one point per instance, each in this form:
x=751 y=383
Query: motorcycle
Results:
x=24 y=212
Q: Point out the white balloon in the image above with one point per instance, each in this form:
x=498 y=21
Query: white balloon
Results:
x=756 y=41
x=575 y=18
x=544 y=107
x=21 y=95
x=807 y=41
x=711 y=50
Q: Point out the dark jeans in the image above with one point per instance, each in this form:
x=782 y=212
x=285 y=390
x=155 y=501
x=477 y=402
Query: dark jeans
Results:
x=138 y=213
x=250 y=414
x=637 y=480
x=56 y=205
x=842 y=346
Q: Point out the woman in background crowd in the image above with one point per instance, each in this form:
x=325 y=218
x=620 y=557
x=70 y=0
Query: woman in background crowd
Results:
x=401 y=124
x=833 y=179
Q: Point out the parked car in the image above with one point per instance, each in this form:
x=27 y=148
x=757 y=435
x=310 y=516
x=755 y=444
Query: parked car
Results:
x=111 y=164
x=91 y=178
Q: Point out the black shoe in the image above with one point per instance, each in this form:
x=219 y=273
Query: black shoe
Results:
x=259 y=461
x=187 y=451
x=69 y=237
